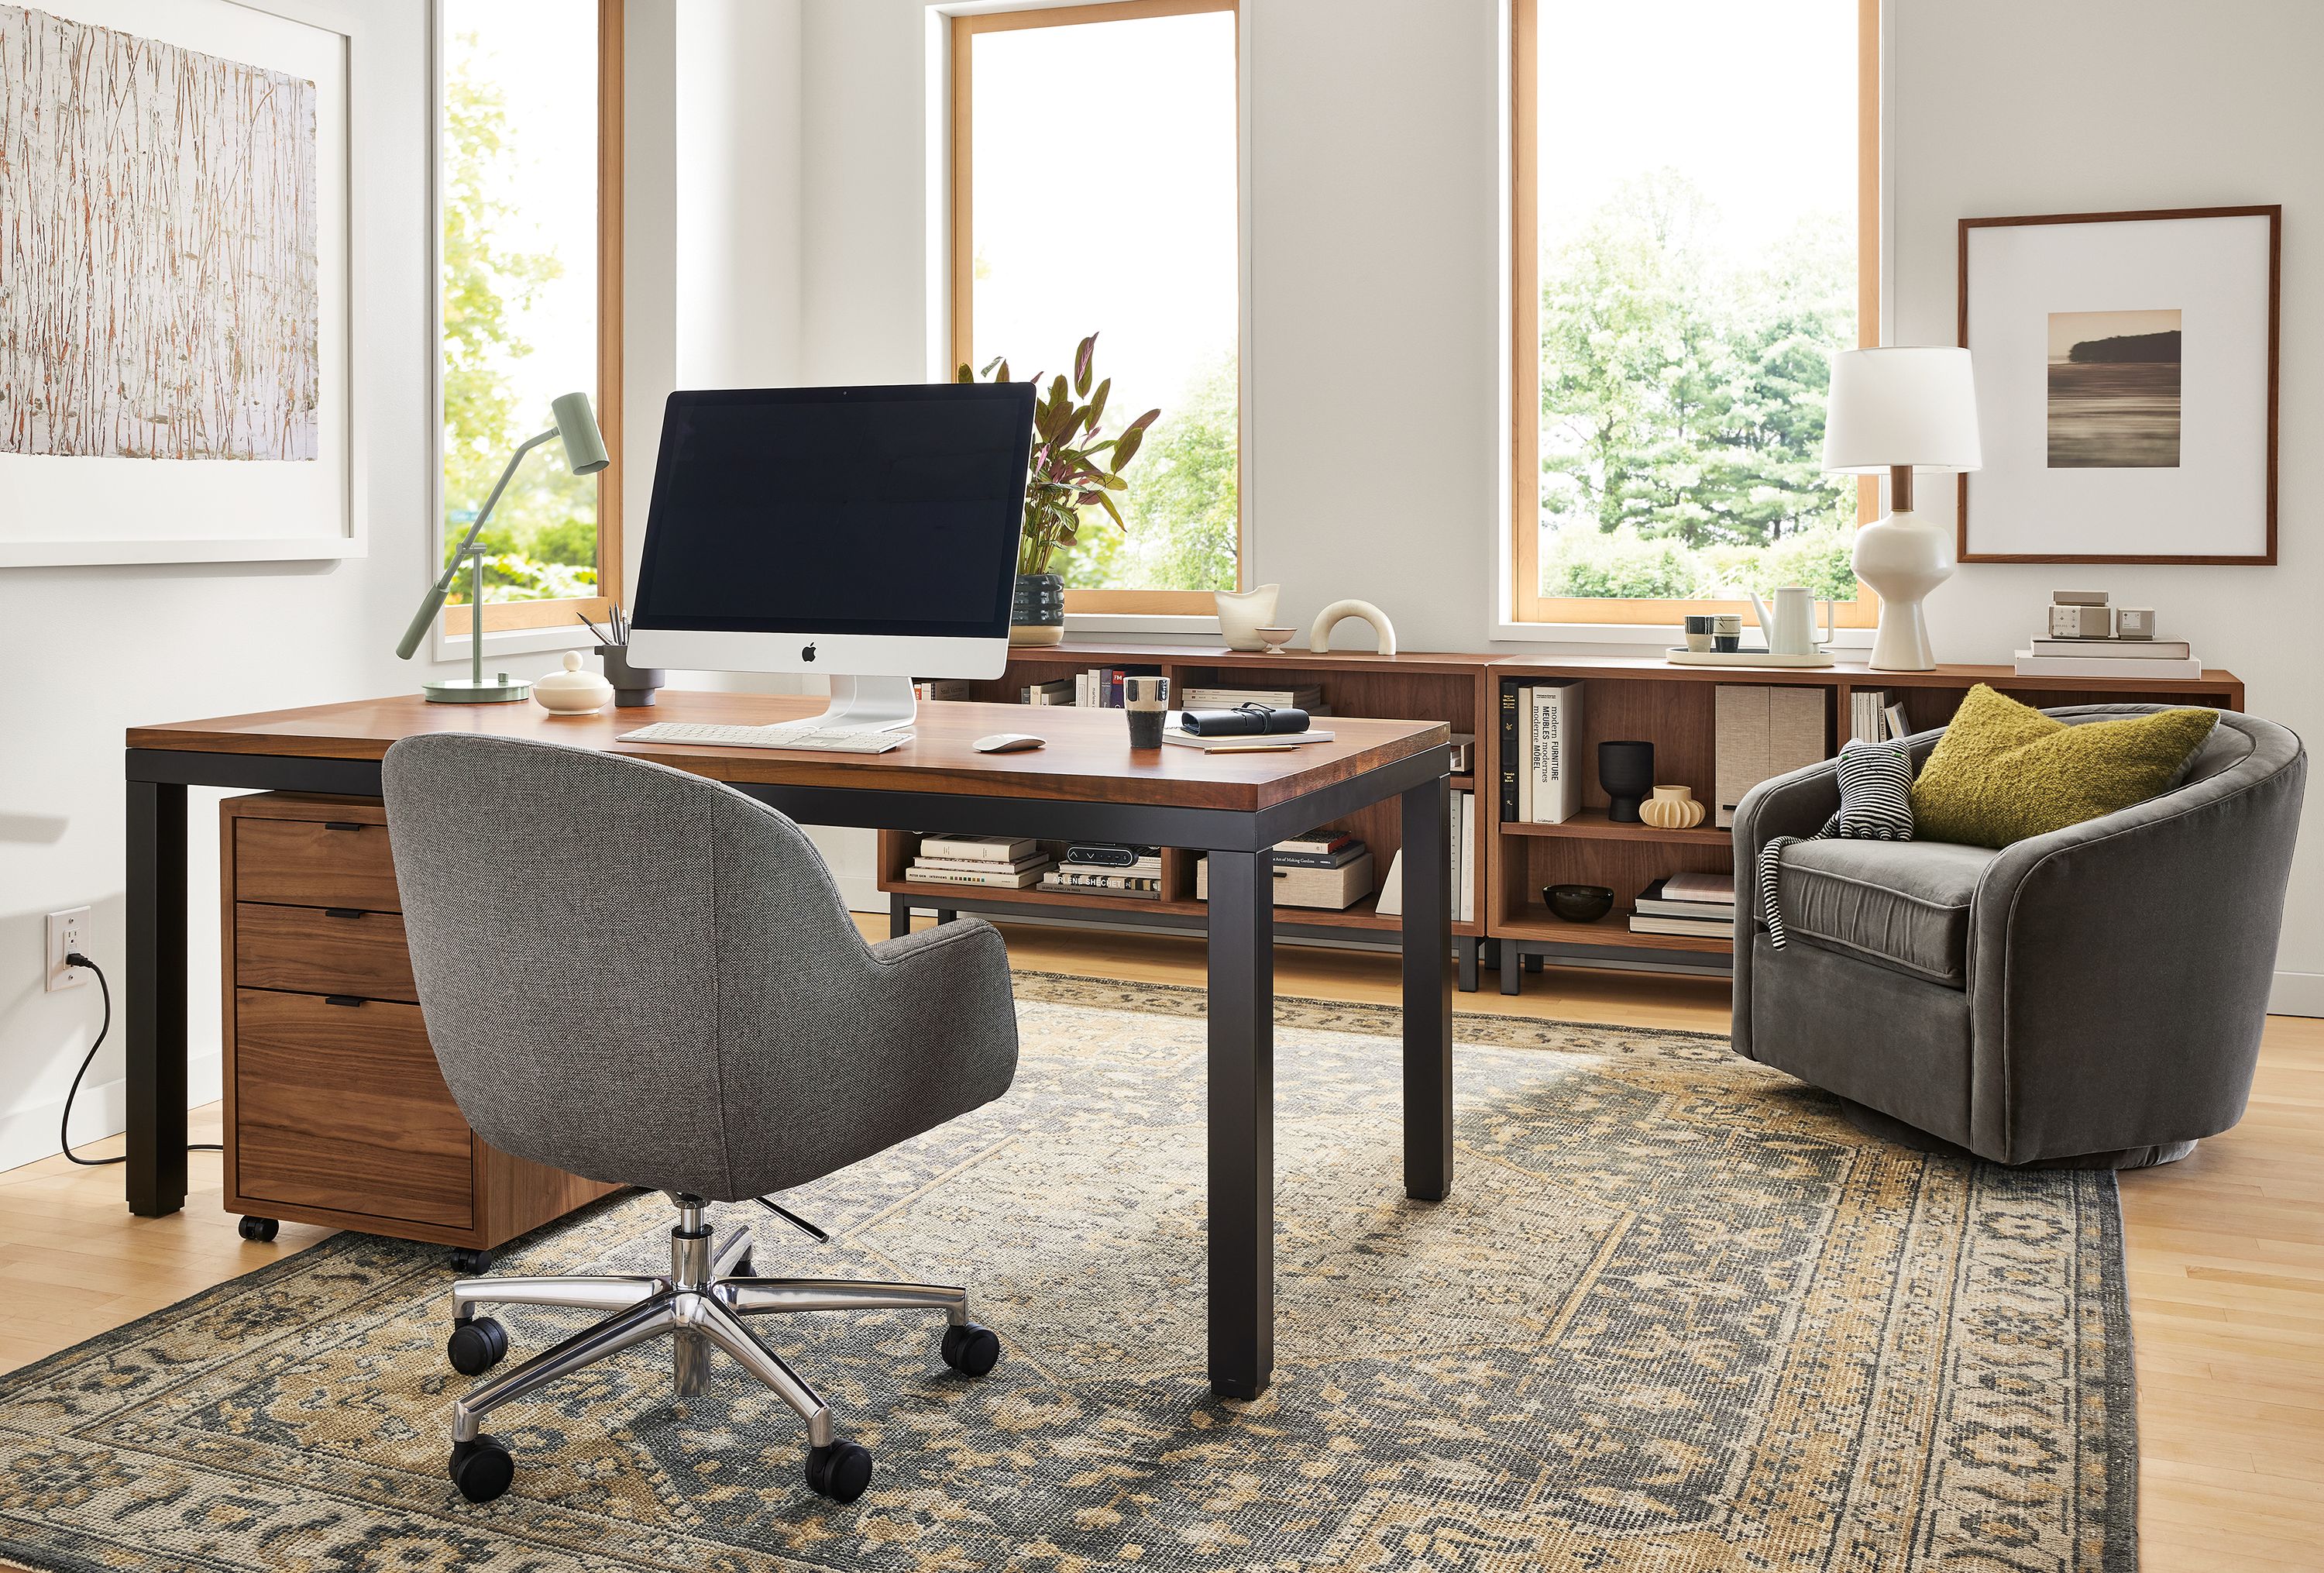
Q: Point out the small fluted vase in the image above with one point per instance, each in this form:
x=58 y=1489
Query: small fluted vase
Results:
x=1671 y=808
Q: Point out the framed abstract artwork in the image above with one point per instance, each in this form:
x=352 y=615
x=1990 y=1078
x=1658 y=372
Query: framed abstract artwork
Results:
x=177 y=260
x=2126 y=369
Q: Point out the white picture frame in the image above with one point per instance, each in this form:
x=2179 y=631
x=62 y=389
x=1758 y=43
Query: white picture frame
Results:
x=94 y=507
x=2127 y=372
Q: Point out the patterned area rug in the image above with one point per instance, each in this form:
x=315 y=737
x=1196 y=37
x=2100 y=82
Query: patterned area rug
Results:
x=1676 y=1315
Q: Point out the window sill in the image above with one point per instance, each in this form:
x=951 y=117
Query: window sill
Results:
x=1657 y=635
x=514 y=642
x=1153 y=625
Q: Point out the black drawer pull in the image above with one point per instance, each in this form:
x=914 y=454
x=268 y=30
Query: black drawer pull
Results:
x=343 y=911
x=344 y=825
x=352 y=1001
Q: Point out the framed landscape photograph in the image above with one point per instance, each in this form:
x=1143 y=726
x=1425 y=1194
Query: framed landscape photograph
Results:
x=2126 y=369
x=180 y=263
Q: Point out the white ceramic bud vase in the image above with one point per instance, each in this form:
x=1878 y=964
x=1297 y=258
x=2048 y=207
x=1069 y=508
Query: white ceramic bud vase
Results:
x=1902 y=558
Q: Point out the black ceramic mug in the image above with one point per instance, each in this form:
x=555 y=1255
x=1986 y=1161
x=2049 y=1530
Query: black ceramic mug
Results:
x=1146 y=700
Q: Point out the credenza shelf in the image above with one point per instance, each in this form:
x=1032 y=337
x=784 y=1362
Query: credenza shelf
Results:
x=1630 y=696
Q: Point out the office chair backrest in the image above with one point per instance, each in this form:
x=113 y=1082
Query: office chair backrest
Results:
x=608 y=950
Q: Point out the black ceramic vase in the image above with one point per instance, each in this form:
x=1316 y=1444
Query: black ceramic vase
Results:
x=1627 y=771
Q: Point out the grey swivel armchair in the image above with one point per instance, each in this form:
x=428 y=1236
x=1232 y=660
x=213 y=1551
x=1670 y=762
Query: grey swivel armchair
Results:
x=646 y=978
x=2090 y=998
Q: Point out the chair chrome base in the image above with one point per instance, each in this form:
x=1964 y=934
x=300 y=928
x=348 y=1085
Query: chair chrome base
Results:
x=699 y=1306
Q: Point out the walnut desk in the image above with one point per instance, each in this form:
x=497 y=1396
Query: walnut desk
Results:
x=1085 y=785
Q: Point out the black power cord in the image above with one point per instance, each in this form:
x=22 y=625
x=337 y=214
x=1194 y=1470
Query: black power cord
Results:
x=64 y=1125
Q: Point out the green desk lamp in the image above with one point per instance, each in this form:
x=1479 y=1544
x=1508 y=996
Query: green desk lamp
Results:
x=584 y=453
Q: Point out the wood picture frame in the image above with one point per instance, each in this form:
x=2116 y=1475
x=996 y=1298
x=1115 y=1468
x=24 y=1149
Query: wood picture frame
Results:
x=2258 y=299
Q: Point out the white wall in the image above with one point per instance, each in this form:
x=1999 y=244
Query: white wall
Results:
x=94 y=650
x=1375 y=186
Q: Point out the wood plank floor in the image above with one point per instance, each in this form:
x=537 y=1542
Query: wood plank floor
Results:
x=2226 y=1250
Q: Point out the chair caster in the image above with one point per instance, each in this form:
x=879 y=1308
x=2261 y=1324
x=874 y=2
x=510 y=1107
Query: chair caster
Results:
x=481 y=1469
x=259 y=1229
x=476 y=1346
x=840 y=1471
x=470 y=1260
x=970 y=1349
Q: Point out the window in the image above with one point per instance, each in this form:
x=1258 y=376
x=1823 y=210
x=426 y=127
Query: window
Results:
x=529 y=264
x=1095 y=190
x=1696 y=225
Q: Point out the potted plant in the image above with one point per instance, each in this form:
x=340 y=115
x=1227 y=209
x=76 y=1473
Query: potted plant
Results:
x=1072 y=467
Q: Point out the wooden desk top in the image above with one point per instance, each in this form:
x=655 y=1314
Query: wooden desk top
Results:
x=1088 y=758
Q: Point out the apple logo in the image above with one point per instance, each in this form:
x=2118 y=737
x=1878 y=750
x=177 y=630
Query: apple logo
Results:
x=808 y=654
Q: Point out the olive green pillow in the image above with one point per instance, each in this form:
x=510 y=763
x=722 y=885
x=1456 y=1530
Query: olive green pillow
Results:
x=2004 y=771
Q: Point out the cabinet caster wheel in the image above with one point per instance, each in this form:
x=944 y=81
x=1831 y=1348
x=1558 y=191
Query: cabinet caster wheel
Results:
x=476 y=1346
x=839 y=1472
x=970 y=1349
x=259 y=1229
x=471 y=1262
x=481 y=1469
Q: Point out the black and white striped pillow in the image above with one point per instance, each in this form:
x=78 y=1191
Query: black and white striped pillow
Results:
x=1875 y=804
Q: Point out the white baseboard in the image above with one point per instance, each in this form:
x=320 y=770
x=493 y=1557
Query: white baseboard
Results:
x=2297 y=994
x=29 y=1135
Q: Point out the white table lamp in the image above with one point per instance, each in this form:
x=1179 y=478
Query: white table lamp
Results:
x=1895 y=409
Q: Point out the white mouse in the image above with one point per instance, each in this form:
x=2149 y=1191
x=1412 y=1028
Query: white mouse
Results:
x=1009 y=742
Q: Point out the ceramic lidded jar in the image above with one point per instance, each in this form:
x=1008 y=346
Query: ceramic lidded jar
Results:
x=1671 y=808
x=573 y=691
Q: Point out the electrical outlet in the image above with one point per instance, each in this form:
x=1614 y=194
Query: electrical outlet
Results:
x=68 y=933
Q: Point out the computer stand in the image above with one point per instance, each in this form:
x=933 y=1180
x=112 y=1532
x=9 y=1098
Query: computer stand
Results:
x=868 y=704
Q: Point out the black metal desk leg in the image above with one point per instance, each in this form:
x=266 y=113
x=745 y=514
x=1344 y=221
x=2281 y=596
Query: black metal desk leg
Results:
x=154 y=1012
x=1242 y=1123
x=1465 y=953
x=899 y=916
x=1427 y=993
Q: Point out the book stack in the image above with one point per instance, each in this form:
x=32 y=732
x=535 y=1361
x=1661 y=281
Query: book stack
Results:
x=1872 y=718
x=1701 y=905
x=1541 y=752
x=1060 y=692
x=1325 y=868
x=943 y=688
x=1108 y=869
x=1006 y=862
x=2087 y=636
x=1307 y=696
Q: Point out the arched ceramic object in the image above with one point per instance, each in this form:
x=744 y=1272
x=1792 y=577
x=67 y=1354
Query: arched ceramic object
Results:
x=1320 y=639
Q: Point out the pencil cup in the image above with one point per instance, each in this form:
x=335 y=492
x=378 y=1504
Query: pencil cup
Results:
x=1146 y=700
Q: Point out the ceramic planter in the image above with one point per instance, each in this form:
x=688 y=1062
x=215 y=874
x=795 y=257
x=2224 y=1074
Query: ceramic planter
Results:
x=1038 y=614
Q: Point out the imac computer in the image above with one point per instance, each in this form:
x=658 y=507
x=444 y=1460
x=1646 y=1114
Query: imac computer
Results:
x=867 y=535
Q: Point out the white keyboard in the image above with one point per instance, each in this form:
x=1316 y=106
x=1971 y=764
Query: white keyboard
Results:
x=785 y=736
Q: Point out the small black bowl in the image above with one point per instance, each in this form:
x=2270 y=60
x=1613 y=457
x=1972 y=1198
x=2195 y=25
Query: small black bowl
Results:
x=1578 y=904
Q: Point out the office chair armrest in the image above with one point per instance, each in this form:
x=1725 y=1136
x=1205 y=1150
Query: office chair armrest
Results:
x=963 y=931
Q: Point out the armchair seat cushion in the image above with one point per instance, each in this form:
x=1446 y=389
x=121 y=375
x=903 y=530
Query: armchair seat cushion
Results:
x=1903 y=905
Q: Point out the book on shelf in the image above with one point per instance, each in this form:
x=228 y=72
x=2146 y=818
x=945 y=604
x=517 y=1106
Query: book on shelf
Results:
x=1307 y=696
x=983 y=848
x=2131 y=649
x=1897 y=722
x=1554 y=755
x=1867 y=715
x=1329 y=839
x=979 y=865
x=1505 y=717
x=2091 y=664
x=1005 y=878
x=1144 y=868
x=944 y=689
x=1655 y=901
x=1695 y=928
x=1059 y=692
x=1347 y=853
x=1464 y=856
x=1135 y=887
x=1697 y=886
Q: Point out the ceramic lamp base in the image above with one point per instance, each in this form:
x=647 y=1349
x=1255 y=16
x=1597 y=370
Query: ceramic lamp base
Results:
x=1902 y=559
x=502 y=690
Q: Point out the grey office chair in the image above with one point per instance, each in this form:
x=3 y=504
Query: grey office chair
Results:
x=646 y=978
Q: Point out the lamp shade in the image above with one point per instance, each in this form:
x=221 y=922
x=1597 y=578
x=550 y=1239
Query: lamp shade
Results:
x=584 y=447
x=1901 y=406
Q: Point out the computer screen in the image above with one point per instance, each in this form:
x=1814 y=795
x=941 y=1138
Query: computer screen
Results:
x=887 y=510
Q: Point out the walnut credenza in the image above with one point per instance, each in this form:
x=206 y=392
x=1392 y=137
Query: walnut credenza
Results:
x=335 y=1113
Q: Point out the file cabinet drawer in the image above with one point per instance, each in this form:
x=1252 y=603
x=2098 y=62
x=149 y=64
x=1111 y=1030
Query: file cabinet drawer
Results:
x=338 y=862
x=328 y=950
x=340 y=1106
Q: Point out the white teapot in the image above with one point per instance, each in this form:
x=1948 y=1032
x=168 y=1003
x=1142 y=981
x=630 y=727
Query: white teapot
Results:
x=1791 y=629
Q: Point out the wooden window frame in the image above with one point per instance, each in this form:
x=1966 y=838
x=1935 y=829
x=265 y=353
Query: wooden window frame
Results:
x=965 y=29
x=1528 y=603
x=510 y=616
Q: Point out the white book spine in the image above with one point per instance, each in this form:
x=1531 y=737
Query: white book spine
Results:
x=1557 y=753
